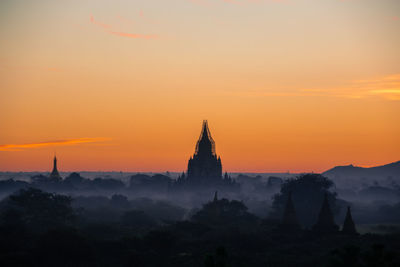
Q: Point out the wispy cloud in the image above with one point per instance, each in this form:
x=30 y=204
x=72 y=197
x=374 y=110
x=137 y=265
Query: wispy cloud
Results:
x=133 y=35
x=65 y=142
x=386 y=87
x=107 y=28
x=102 y=25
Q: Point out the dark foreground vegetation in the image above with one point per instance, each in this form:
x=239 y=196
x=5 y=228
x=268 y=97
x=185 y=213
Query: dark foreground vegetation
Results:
x=44 y=229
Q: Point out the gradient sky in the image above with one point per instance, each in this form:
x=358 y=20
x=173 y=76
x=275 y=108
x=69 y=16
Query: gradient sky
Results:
x=290 y=85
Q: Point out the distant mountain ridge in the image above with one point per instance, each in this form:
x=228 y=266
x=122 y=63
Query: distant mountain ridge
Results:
x=384 y=174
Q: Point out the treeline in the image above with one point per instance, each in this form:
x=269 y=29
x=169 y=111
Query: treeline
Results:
x=38 y=228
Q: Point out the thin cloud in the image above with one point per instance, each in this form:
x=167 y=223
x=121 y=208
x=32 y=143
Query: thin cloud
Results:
x=65 y=142
x=102 y=25
x=107 y=28
x=386 y=87
x=133 y=35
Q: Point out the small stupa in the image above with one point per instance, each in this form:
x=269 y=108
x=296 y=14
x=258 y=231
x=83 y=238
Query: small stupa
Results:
x=326 y=222
x=349 y=227
x=289 y=220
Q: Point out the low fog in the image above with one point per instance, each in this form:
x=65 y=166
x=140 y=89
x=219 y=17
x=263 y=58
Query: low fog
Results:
x=107 y=196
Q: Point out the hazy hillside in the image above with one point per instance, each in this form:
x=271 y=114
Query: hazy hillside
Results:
x=349 y=176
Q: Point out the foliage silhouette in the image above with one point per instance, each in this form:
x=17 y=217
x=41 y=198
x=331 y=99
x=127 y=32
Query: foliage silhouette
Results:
x=224 y=212
x=308 y=192
x=40 y=210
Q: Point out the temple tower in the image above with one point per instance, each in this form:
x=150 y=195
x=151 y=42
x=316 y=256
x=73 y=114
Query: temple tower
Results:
x=54 y=173
x=289 y=220
x=326 y=222
x=216 y=196
x=349 y=227
x=204 y=167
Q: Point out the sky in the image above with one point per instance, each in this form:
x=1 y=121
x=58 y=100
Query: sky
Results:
x=286 y=85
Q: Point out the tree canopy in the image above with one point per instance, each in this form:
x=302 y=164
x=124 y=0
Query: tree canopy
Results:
x=39 y=209
x=308 y=191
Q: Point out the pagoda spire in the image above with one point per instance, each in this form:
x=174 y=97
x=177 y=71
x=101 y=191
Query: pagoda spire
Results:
x=289 y=220
x=205 y=132
x=54 y=173
x=55 y=164
x=326 y=222
x=204 y=167
x=205 y=145
x=348 y=226
x=216 y=196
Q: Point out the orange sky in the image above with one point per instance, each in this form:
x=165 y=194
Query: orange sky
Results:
x=291 y=85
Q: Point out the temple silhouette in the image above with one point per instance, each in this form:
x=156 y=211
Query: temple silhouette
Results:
x=205 y=167
x=349 y=227
x=289 y=220
x=326 y=222
x=54 y=175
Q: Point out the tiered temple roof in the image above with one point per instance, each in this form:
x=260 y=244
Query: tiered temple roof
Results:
x=205 y=166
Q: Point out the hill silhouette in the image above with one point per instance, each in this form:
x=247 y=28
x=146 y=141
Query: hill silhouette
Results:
x=383 y=175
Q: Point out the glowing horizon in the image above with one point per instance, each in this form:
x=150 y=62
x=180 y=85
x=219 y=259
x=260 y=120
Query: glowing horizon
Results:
x=286 y=85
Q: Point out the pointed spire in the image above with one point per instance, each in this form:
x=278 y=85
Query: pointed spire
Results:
x=54 y=173
x=55 y=163
x=348 y=225
x=326 y=222
x=205 y=132
x=289 y=220
x=205 y=144
x=216 y=196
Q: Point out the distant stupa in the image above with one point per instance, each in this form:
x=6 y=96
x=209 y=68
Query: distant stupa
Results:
x=349 y=227
x=54 y=175
x=289 y=220
x=326 y=222
x=216 y=196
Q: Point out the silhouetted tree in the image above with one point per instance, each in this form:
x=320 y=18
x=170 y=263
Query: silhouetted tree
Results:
x=10 y=185
x=308 y=192
x=223 y=212
x=74 y=179
x=40 y=210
